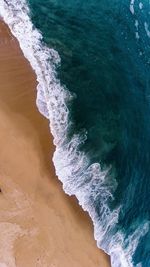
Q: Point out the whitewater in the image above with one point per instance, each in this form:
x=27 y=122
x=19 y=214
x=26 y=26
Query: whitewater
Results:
x=87 y=182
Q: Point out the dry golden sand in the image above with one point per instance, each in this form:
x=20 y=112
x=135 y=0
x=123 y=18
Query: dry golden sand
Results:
x=39 y=225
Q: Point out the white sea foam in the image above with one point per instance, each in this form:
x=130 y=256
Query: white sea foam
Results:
x=132 y=6
x=140 y=5
x=132 y=10
x=137 y=29
x=145 y=24
x=147 y=29
x=130 y=244
x=87 y=182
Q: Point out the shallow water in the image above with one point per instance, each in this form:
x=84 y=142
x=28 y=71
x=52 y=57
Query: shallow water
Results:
x=102 y=129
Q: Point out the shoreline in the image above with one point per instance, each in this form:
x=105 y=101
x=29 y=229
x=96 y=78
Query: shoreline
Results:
x=35 y=212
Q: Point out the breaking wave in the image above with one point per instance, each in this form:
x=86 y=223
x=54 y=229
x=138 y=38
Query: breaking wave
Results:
x=93 y=187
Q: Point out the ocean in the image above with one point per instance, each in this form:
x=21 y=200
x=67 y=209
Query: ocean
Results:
x=92 y=60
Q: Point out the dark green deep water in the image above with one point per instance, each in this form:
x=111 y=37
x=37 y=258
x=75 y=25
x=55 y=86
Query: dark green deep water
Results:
x=105 y=61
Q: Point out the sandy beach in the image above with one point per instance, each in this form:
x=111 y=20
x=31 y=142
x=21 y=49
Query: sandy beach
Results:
x=39 y=225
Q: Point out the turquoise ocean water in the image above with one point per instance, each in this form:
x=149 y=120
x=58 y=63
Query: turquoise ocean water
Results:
x=92 y=60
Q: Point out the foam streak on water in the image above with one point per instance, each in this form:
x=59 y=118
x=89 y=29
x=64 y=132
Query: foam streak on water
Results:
x=79 y=178
x=132 y=6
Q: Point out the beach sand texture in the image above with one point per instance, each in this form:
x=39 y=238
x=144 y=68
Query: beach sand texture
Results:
x=39 y=225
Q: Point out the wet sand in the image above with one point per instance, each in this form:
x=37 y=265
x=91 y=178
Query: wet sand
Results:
x=39 y=225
